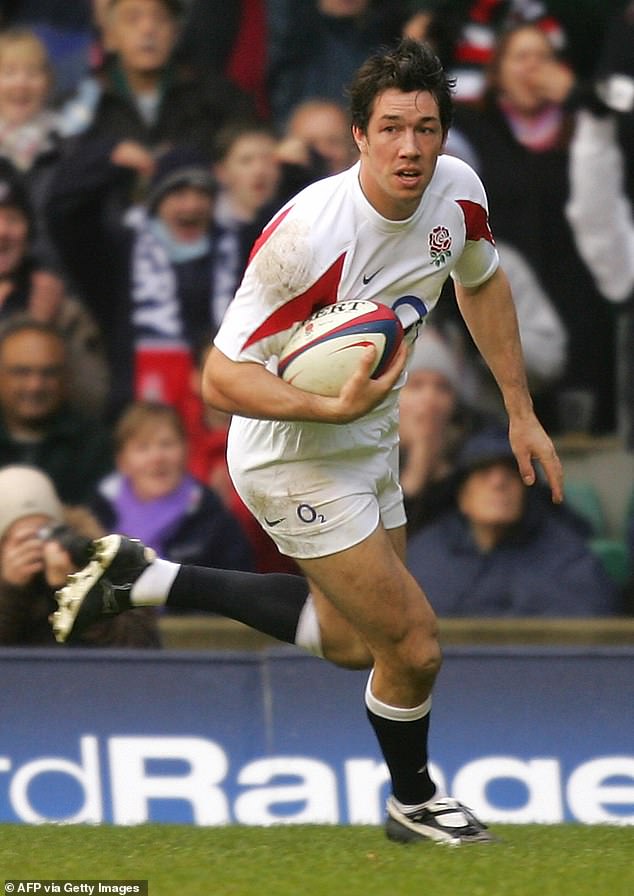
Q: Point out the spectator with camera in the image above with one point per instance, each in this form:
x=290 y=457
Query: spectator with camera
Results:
x=41 y=542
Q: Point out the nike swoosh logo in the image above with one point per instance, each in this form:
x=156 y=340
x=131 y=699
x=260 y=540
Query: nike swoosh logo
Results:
x=366 y=278
x=274 y=522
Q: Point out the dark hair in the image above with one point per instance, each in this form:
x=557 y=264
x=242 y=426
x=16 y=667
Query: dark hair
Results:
x=411 y=65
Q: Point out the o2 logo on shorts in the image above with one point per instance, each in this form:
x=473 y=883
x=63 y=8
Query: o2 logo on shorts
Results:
x=308 y=514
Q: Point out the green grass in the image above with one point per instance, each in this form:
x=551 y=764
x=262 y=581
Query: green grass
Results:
x=531 y=860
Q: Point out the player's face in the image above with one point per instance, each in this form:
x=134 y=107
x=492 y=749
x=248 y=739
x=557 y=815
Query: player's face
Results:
x=154 y=460
x=399 y=151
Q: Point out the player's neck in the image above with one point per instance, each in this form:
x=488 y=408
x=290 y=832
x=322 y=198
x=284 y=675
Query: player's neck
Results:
x=388 y=207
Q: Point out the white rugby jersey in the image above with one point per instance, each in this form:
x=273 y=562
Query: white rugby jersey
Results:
x=329 y=244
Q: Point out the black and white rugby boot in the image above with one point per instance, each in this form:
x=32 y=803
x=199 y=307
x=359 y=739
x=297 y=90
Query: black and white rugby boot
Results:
x=443 y=821
x=102 y=588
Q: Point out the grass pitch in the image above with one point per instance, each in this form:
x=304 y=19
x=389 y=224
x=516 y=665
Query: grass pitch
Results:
x=530 y=860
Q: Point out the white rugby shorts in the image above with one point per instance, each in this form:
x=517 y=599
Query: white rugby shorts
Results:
x=317 y=489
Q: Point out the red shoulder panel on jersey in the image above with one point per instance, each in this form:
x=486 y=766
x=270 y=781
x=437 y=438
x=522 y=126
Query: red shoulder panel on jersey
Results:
x=323 y=292
x=476 y=221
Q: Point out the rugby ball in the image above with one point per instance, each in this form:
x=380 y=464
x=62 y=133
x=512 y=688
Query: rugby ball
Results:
x=326 y=349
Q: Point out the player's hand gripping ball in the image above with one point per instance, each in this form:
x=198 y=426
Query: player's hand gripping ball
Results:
x=323 y=353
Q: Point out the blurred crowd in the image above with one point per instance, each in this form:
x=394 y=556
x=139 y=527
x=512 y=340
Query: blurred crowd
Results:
x=144 y=144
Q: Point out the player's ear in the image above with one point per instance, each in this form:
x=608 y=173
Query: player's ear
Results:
x=359 y=137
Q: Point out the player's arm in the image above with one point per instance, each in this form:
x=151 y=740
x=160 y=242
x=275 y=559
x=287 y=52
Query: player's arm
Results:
x=249 y=389
x=489 y=313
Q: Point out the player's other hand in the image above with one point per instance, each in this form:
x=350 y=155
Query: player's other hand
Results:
x=361 y=393
x=530 y=442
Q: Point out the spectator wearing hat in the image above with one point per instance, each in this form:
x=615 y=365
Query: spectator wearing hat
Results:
x=41 y=542
x=171 y=278
x=149 y=276
x=38 y=424
x=434 y=421
x=504 y=550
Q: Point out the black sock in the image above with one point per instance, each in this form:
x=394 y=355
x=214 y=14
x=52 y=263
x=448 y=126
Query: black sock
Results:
x=404 y=748
x=270 y=603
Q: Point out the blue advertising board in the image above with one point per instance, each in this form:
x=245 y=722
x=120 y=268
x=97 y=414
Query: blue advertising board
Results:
x=519 y=734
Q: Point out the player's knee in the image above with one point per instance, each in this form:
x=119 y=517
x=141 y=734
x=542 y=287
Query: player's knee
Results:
x=429 y=661
x=421 y=656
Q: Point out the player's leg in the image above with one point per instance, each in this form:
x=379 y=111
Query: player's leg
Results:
x=339 y=640
x=372 y=589
x=125 y=574
x=288 y=607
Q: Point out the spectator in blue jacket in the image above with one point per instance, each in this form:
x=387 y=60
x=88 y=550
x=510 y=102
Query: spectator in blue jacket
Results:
x=503 y=550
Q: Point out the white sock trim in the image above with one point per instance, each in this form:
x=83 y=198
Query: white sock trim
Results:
x=308 y=633
x=395 y=713
x=405 y=809
x=154 y=584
